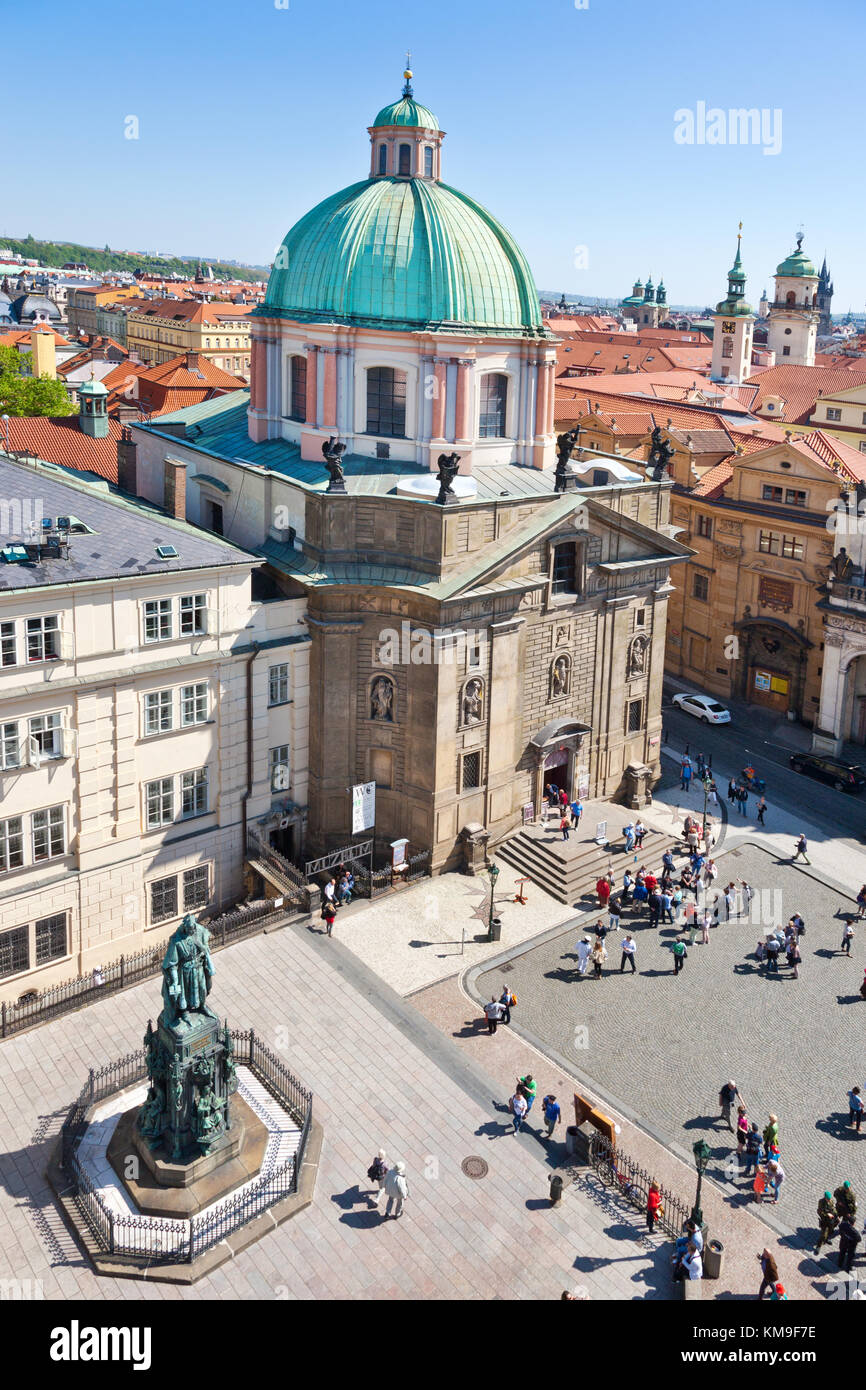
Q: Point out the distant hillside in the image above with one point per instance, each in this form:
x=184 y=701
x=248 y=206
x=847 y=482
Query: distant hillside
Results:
x=56 y=253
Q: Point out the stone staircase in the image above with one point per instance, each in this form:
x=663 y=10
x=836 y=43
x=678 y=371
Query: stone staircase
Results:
x=569 y=869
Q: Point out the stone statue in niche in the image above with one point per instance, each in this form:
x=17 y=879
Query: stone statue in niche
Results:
x=382 y=700
x=473 y=703
x=560 y=677
x=637 y=656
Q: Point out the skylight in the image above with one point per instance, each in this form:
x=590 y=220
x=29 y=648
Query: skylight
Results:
x=166 y=552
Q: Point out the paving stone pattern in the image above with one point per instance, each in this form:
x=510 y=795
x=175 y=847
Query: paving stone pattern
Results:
x=663 y=1045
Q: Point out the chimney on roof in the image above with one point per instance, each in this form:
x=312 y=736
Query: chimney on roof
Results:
x=127 y=461
x=174 y=483
x=43 y=353
x=193 y=360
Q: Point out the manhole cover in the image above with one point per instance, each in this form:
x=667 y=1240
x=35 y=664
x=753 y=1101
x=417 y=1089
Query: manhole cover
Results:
x=474 y=1167
x=503 y=969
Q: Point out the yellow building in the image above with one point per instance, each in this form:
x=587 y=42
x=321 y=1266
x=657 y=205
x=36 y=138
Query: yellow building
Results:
x=169 y=327
x=83 y=305
x=744 y=620
x=844 y=414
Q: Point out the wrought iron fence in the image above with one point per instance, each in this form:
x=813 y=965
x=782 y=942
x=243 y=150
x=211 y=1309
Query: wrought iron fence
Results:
x=158 y=1240
x=258 y=849
x=370 y=883
x=131 y=970
x=633 y=1183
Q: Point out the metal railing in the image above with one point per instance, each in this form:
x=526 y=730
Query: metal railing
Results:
x=633 y=1183
x=131 y=970
x=370 y=883
x=258 y=849
x=158 y=1240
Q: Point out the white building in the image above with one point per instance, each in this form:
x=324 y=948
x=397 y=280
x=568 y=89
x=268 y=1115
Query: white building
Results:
x=794 y=313
x=152 y=709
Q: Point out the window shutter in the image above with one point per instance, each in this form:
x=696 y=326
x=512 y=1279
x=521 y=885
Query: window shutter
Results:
x=211 y=616
x=33 y=757
x=67 y=645
x=68 y=742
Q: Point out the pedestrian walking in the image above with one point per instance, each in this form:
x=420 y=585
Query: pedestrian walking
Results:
x=628 y=834
x=849 y=1239
x=654 y=907
x=396 y=1190
x=598 y=957
x=800 y=848
x=518 y=1107
x=705 y=928
x=771 y=1134
x=769 y=1272
x=614 y=917
x=762 y=807
x=505 y=1000
x=828 y=1220
x=577 y=812
x=732 y=790
x=329 y=913
x=861 y=901
x=714 y=794
x=494 y=1012
x=794 y=957
x=584 y=950
x=654 y=1208
x=742 y=800
x=529 y=1088
x=754 y=1149
x=730 y=901
x=665 y=905
x=685 y=776
x=728 y=1096
x=629 y=946
x=552 y=1113
x=680 y=955
x=742 y=1129
x=639 y=832
x=773 y=947
x=565 y=826
x=855 y=1108
x=377 y=1173
x=847 y=937
x=627 y=887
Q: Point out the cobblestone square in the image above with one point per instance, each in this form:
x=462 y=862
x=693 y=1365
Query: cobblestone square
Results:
x=663 y=1045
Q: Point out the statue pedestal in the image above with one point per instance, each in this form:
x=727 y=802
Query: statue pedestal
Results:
x=187 y=1116
x=179 y=1190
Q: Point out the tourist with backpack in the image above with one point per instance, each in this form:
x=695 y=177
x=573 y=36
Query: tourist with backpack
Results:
x=377 y=1173
x=552 y=1114
x=507 y=1000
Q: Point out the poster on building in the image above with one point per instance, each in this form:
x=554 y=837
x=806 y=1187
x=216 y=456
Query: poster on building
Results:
x=398 y=853
x=529 y=813
x=363 y=807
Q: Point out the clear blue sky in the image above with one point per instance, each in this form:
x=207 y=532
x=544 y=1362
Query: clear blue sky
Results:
x=560 y=120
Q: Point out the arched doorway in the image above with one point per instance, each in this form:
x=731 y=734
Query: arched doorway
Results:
x=854 y=715
x=772 y=664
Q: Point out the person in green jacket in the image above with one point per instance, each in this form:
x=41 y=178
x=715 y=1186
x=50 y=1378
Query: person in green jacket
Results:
x=771 y=1133
x=680 y=954
x=529 y=1088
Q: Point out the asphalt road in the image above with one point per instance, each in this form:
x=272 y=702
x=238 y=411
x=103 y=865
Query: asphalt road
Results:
x=749 y=739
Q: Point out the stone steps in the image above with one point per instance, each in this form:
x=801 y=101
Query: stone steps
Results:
x=568 y=870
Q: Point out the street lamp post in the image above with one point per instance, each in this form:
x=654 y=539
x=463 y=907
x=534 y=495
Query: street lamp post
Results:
x=702 y=1153
x=707 y=783
x=493 y=872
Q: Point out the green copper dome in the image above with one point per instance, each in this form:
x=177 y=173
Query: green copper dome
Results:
x=409 y=112
x=404 y=254
x=797 y=264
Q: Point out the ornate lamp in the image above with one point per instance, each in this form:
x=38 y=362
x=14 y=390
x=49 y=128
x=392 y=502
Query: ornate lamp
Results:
x=493 y=872
x=702 y=1153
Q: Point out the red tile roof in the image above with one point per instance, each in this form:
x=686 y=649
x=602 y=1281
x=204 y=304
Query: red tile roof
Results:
x=799 y=387
x=193 y=310
x=60 y=441
x=17 y=337
x=187 y=379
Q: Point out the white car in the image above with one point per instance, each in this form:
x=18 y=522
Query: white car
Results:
x=703 y=707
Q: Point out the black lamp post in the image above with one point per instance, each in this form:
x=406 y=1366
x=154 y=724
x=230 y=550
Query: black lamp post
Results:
x=702 y=1153
x=707 y=783
x=493 y=871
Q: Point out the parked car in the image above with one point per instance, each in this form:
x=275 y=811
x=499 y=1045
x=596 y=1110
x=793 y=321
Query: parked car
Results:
x=703 y=707
x=845 y=777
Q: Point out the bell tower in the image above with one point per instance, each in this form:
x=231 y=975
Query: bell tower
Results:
x=733 y=323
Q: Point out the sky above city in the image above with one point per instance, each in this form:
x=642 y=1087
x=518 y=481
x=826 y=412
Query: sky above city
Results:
x=591 y=128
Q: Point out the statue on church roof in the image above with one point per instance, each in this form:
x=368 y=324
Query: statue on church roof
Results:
x=448 y=466
x=333 y=451
x=660 y=454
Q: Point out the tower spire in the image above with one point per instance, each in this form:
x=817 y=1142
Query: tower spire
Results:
x=407 y=90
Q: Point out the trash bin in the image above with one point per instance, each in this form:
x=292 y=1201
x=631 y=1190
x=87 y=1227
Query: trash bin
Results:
x=496 y=929
x=714 y=1259
x=571 y=1134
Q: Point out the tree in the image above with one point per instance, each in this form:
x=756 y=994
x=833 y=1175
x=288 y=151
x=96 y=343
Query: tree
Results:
x=23 y=394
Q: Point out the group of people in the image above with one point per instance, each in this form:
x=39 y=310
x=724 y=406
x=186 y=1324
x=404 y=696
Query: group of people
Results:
x=782 y=941
x=499 y=1010
x=390 y=1181
x=555 y=803
x=758 y=1148
x=336 y=893
x=837 y=1213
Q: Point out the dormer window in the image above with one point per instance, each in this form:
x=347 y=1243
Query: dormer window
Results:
x=404 y=167
x=383 y=159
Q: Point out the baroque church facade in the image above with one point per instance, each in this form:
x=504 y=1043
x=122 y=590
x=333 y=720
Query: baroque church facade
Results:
x=466 y=647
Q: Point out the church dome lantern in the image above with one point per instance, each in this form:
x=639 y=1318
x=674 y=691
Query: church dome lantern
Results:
x=406 y=138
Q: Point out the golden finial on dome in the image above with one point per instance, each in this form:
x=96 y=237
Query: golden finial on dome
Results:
x=407 y=90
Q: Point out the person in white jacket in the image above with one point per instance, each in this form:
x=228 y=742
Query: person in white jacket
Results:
x=396 y=1189
x=583 y=950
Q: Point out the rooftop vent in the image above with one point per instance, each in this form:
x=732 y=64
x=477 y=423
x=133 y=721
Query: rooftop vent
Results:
x=166 y=552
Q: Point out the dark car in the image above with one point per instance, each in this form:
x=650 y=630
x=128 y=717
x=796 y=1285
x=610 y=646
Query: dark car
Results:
x=845 y=777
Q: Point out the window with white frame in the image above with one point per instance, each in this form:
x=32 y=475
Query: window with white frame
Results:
x=49 y=833
x=193 y=614
x=278 y=768
x=46 y=737
x=278 y=684
x=163 y=899
x=193 y=704
x=11 y=843
x=8 y=645
x=10 y=753
x=157 y=620
x=193 y=793
x=158 y=712
x=159 y=802
x=196 y=887
x=43 y=638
